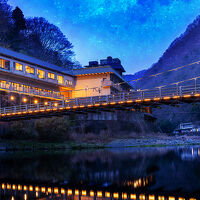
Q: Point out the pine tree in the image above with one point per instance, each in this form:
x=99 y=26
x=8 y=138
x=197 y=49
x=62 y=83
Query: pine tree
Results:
x=19 y=20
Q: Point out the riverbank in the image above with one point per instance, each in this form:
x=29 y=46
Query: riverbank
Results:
x=142 y=141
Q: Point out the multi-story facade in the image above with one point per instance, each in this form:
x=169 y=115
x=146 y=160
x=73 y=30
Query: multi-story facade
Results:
x=27 y=80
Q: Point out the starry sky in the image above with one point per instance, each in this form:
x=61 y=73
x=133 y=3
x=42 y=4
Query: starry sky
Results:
x=136 y=31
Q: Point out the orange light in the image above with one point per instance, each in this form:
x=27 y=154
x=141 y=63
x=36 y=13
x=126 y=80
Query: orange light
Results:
x=112 y=103
x=62 y=191
x=187 y=96
x=25 y=187
x=138 y=100
x=176 y=97
x=91 y=193
x=12 y=98
x=151 y=197
x=107 y=194
x=147 y=99
x=43 y=189
x=36 y=189
x=46 y=103
x=49 y=190
x=24 y=100
x=133 y=196
x=89 y=105
x=161 y=198
x=129 y=101
x=69 y=192
x=68 y=108
x=35 y=101
x=3 y=186
x=56 y=104
x=19 y=187
x=8 y=186
x=142 y=197
x=56 y=190
x=166 y=98
x=31 y=188
x=124 y=195
x=171 y=198
x=197 y=95
x=77 y=192
x=156 y=99
x=97 y=104
x=84 y=193
x=13 y=187
x=180 y=198
x=82 y=106
x=116 y=195
x=99 y=194
x=121 y=102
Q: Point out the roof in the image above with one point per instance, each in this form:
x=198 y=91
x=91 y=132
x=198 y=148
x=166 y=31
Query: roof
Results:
x=100 y=69
x=32 y=60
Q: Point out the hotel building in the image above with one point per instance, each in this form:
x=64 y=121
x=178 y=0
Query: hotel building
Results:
x=24 y=79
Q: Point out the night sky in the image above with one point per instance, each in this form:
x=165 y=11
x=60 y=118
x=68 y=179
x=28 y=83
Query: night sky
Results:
x=136 y=31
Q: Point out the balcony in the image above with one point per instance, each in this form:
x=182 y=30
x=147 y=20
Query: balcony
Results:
x=109 y=83
x=30 y=91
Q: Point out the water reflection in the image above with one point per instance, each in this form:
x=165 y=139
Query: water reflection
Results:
x=134 y=173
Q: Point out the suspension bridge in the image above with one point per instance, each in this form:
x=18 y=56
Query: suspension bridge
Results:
x=169 y=95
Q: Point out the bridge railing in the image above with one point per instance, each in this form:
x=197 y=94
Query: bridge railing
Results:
x=142 y=95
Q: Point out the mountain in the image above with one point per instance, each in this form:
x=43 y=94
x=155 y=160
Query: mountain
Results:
x=182 y=51
x=131 y=77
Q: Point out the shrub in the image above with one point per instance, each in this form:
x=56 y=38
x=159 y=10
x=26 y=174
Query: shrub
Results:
x=53 y=129
x=20 y=130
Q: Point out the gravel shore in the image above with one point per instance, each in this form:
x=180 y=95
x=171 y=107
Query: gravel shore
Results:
x=155 y=141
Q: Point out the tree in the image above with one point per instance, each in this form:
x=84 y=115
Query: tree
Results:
x=5 y=22
x=19 y=20
x=54 y=46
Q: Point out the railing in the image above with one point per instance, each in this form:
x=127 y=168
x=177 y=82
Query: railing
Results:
x=135 y=96
x=109 y=83
x=30 y=91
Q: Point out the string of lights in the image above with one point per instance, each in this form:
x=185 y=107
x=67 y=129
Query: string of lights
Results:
x=153 y=75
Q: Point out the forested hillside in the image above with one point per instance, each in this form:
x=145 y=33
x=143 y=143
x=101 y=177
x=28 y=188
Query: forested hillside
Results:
x=35 y=37
x=182 y=51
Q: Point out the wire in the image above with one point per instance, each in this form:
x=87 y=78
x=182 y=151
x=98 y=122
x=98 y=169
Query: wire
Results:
x=152 y=75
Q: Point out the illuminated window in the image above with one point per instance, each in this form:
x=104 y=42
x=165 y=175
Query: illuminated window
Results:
x=41 y=74
x=69 y=82
x=30 y=70
x=60 y=79
x=18 y=67
x=51 y=75
x=4 y=64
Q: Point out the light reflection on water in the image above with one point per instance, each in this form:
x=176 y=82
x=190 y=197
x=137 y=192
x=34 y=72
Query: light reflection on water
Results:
x=132 y=173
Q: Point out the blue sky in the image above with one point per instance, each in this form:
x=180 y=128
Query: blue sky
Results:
x=136 y=31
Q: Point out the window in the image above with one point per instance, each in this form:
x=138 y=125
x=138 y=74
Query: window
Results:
x=41 y=74
x=30 y=70
x=18 y=67
x=51 y=75
x=4 y=64
x=60 y=79
x=69 y=82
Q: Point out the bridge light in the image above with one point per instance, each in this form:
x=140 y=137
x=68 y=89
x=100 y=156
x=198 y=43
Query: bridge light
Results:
x=35 y=101
x=107 y=194
x=24 y=100
x=12 y=98
x=91 y=193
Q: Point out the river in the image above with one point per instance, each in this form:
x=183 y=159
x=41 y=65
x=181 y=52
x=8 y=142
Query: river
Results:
x=164 y=173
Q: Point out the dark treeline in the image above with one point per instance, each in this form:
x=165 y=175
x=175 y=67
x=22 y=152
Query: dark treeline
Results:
x=35 y=37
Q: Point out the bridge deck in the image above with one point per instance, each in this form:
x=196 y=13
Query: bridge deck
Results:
x=169 y=95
